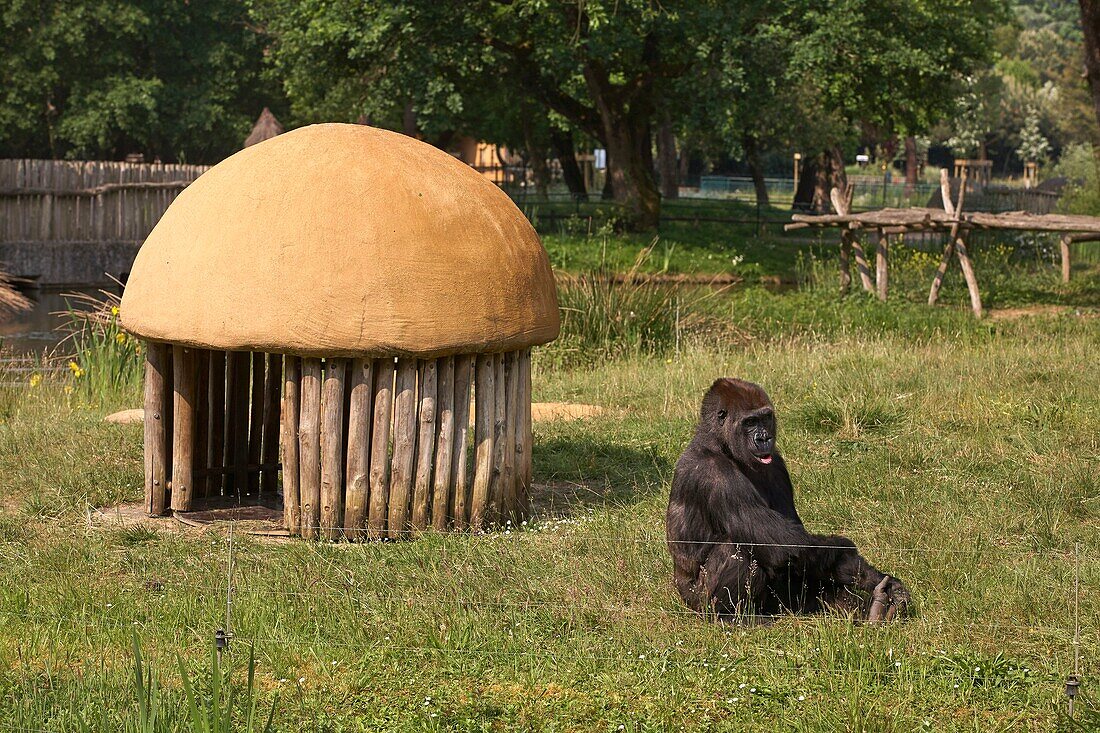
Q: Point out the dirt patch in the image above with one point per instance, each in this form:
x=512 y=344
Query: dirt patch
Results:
x=265 y=518
x=1049 y=311
x=543 y=411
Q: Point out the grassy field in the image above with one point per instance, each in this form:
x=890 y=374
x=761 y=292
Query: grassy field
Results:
x=960 y=455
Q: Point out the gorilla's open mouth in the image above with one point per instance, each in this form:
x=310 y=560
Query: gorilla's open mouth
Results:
x=765 y=459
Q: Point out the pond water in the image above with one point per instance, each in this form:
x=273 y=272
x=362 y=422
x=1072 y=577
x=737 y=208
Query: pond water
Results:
x=38 y=330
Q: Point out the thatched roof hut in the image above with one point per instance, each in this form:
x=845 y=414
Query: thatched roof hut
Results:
x=266 y=127
x=368 y=282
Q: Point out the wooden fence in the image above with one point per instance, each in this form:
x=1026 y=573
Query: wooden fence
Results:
x=65 y=222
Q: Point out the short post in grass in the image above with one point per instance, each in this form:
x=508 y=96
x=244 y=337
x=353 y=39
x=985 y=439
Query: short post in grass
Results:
x=323 y=310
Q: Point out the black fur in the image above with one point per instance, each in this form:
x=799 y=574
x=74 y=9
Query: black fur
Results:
x=737 y=542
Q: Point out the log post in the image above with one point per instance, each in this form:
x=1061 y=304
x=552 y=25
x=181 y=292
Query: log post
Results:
x=881 y=254
x=460 y=484
x=292 y=508
x=444 y=443
x=358 y=471
x=380 y=447
x=523 y=470
x=955 y=211
x=202 y=476
x=968 y=274
x=309 y=447
x=1064 y=244
x=183 y=429
x=156 y=463
x=848 y=242
x=237 y=419
x=500 y=445
x=215 y=452
x=332 y=448
x=425 y=443
x=510 y=497
x=484 y=413
x=269 y=455
x=404 y=447
x=256 y=423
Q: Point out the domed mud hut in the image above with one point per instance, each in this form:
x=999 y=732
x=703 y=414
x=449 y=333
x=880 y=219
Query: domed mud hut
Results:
x=320 y=306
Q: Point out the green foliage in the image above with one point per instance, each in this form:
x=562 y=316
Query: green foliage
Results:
x=88 y=79
x=1082 y=194
x=106 y=360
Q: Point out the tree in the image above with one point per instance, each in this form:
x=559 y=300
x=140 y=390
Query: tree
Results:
x=603 y=67
x=103 y=78
x=1090 y=24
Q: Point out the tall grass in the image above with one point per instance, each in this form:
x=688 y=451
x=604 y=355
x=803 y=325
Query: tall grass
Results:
x=101 y=358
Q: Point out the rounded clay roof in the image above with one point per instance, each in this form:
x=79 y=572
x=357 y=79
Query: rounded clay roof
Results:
x=343 y=240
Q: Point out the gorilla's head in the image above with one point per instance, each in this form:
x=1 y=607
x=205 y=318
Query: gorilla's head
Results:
x=739 y=416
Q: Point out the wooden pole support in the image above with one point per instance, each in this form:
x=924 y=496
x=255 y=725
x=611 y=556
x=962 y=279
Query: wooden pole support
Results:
x=332 y=448
x=484 y=412
x=269 y=455
x=954 y=210
x=404 y=448
x=183 y=429
x=156 y=448
x=528 y=437
x=444 y=443
x=500 y=444
x=237 y=418
x=881 y=264
x=309 y=446
x=380 y=447
x=968 y=274
x=425 y=443
x=215 y=452
x=292 y=508
x=203 y=478
x=358 y=471
x=510 y=497
x=256 y=423
x=1064 y=244
x=460 y=491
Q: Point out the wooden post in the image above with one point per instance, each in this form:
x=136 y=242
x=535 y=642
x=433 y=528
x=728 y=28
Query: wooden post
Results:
x=510 y=497
x=236 y=433
x=484 y=413
x=201 y=474
x=332 y=448
x=256 y=423
x=523 y=470
x=292 y=508
x=156 y=470
x=955 y=211
x=460 y=491
x=269 y=455
x=183 y=430
x=309 y=446
x=848 y=242
x=500 y=441
x=968 y=274
x=380 y=447
x=425 y=443
x=358 y=471
x=881 y=253
x=444 y=444
x=1064 y=244
x=215 y=452
x=404 y=448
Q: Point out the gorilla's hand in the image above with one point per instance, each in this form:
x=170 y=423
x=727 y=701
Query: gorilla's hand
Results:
x=889 y=599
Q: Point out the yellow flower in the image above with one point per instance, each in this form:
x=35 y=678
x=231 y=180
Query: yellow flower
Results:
x=114 y=310
x=120 y=338
x=73 y=367
x=68 y=389
x=36 y=379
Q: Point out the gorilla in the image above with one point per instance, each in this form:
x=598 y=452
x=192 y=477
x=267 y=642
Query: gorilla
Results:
x=739 y=548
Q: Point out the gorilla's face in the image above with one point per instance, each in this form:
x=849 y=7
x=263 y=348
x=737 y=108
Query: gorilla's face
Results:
x=740 y=415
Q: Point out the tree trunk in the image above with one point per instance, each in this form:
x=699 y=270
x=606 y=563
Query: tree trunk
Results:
x=910 y=165
x=536 y=157
x=820 y=174
x=752 y=156
x=409 y=124
x=562 y=145
x=1090 y=24
x=629 y=151
x=666 y=160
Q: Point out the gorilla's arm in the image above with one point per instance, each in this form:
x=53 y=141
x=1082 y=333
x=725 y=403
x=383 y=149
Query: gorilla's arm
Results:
x=743 y=517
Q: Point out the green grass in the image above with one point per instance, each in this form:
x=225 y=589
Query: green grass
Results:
x=959 y=454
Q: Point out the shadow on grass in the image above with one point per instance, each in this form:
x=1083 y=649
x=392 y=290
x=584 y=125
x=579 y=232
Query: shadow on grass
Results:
x=575 y=473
